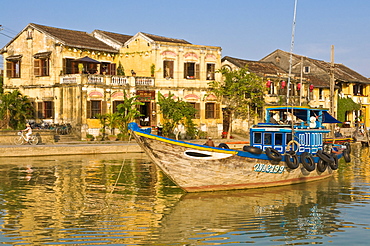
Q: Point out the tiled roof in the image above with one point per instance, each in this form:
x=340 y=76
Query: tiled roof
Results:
x=73 y=38
x=121 y=38
x=258 y=67
x=164 y=39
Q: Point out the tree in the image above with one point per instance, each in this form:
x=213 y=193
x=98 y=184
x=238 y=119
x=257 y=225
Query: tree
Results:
x=240 y=91
x=15 y=109
x=120 y=70
x=346 y=104
x=127 y=112
x=175 y=112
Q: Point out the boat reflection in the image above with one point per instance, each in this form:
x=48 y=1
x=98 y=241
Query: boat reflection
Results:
x=285 y=214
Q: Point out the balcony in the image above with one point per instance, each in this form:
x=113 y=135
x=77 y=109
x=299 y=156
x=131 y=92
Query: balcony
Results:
x=109 y=80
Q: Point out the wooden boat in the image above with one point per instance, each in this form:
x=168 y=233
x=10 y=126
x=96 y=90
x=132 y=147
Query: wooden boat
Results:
x=278 y=154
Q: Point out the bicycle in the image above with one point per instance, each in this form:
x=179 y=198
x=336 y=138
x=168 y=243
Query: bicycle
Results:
x=22 y=139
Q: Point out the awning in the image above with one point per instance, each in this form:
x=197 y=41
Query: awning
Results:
x=329 y=119
x=14 y=58
x=42 y=55
x=87 y=59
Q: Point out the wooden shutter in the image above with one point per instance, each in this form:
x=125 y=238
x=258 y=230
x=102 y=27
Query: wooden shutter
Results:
x=197 y=71
x=40 y=110
x=37 y=67
x=217 y=109
x=113 y=69
x=9 y=69
x=197 y=107
x=103 y=107
x=88 y=109
x=185 y=70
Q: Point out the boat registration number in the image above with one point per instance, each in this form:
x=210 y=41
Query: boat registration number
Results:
x=264 y=168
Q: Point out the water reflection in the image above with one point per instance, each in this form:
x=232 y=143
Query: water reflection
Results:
x=125 y=200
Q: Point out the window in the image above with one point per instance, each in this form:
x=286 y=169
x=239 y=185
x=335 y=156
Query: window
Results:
x=45 y=110
x=278 y=139
x=306 y=70
x=267 y=138
x=358 y=90
x=168 y=69
x=197 y=107
x=271 y=88
x=115 y=105
x=13 y=69
x=257 y=136
x=212 y=111
x=41 y=67
x=210 y=71
x=95 y=107
x=107 y=68
x=70 y=66
x=191 y=70
x=321 y=94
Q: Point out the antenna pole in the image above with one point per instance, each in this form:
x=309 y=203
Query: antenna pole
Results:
x=291 y=52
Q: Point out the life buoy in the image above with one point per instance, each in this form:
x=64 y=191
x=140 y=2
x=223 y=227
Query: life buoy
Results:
x=253 y=150
x=223 y=145
x=324 y=156
x=346 y=155
x=321 y=165
x=291 y=160
x=291 y=144
x=334 y=165
x=348 y=147
x=273 y=154
x=307 y=161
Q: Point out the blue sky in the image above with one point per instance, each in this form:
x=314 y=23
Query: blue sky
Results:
x=247 y=29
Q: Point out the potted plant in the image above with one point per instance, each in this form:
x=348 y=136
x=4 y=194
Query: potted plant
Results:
x=112 y=137
x=89 y=137
x=152 y=70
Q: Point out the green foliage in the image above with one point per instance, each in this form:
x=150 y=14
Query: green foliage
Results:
x=175 y=112
x=152 y=69
x=120 y=70
x=346 y=105
x=126 y=113
x=241 y=91
x=15 y=109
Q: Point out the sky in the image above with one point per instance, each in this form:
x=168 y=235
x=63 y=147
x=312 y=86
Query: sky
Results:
x=246 y=29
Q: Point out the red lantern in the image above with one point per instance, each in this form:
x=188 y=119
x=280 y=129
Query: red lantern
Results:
x=268 y=83
x=311 y=87
x=298 y=86
x=283 y=84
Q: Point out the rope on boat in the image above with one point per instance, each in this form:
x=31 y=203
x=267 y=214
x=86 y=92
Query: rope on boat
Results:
x=123 y=163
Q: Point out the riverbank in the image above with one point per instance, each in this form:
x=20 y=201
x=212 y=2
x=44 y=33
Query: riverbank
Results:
x=95 y=147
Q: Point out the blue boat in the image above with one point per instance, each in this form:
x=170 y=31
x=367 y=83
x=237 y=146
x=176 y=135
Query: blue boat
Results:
x=287 y=148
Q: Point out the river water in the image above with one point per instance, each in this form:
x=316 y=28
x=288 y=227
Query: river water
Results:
x=125 y=200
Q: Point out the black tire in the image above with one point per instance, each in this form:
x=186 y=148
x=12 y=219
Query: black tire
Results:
x=335 y=164
x=348 y=147
x=253 y=150
x=223 y=145
x=325 y=157
x=273 y=154
x=291 y=160
x=321 y=165
x=307 y=161
x=346 y=155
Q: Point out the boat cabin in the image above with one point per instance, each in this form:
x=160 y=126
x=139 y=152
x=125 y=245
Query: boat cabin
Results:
x=299 y=129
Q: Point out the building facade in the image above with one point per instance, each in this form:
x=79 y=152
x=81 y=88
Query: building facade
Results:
x=72 y=76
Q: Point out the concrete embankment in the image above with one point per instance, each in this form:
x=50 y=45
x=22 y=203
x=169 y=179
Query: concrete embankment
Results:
x=68 y=149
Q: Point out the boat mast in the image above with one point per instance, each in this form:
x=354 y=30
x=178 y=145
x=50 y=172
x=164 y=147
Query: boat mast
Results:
x=291 y=52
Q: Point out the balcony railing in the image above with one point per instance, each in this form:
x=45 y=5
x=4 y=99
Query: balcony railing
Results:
x=144 y=81
x=119 y=80
x=106 y=80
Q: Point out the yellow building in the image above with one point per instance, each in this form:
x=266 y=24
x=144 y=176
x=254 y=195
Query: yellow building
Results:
x=71 y=76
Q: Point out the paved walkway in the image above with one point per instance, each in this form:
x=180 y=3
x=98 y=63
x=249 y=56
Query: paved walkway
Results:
x=95 y=147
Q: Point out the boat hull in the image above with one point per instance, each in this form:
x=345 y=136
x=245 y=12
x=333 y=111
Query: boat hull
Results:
x=196 y=168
